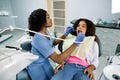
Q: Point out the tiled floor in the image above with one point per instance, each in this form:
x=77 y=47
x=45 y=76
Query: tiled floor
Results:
x=18 y=34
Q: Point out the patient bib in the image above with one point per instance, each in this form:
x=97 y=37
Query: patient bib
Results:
x=82 y=50
x=84 y=47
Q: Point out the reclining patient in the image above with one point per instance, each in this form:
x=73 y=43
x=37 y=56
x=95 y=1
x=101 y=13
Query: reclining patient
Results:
x=84 y=59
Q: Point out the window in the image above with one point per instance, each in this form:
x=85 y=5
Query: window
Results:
x=115 y=6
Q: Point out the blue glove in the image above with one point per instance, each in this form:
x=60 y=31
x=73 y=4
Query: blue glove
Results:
x=69 y=30
x=79 y=38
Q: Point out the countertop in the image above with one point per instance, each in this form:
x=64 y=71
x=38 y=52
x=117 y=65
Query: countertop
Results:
x=110 y=26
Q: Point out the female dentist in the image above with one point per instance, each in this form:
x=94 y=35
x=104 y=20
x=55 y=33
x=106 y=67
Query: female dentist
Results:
x=41 y=69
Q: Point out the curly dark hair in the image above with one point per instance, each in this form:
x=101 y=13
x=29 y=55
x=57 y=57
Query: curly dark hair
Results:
x=91 y=28
x=36 y=20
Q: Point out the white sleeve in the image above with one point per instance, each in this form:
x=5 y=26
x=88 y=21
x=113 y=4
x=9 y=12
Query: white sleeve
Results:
x=95 y=51
x=92 y=56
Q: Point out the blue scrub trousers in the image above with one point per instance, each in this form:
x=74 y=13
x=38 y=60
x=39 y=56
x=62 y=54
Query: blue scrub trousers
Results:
x=71 y=72
x=41 y=71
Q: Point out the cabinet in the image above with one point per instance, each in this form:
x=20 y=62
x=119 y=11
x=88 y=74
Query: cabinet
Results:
x=57 y=11
x=109 y=39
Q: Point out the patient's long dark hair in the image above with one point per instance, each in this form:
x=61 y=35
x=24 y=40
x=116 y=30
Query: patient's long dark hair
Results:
x=36 y=20
x=91 y=28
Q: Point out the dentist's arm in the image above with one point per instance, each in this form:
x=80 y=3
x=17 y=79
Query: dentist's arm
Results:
x=59 y=58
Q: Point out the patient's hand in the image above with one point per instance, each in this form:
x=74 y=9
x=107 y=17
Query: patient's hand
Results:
x=60 y=66
x=89 y=72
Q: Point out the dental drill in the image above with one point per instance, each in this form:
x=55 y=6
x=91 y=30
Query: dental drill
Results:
x=26 y=30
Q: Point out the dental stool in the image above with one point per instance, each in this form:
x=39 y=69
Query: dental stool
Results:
x=24 y=75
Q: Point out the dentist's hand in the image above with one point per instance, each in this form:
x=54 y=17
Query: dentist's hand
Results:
x=69 y=30
x=79 y=38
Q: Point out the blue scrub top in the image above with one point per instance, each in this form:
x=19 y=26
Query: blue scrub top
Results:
x=41 y=69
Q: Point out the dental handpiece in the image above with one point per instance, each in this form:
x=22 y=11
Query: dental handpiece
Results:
x=26 y=30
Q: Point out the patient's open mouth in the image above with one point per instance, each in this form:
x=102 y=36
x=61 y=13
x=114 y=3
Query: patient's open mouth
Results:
x=79 y=31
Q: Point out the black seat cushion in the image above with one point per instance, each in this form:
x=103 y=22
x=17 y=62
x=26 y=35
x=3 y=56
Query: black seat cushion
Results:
x=26 y=46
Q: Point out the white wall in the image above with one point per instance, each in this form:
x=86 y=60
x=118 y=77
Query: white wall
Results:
x=6 y=20
x=91 y=9
x=23 y=8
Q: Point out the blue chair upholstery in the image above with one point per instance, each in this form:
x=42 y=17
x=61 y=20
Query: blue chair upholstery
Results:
x=24 y=75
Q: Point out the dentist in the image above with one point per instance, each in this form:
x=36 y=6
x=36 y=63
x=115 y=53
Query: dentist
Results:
x=41 y=69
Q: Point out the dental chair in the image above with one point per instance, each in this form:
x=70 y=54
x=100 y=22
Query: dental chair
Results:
x=24 y=75
x=97 y=39
x=99 y=46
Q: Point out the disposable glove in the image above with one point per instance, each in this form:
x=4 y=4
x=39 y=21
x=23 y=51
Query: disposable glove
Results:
x=79 y=38
x=69 y=30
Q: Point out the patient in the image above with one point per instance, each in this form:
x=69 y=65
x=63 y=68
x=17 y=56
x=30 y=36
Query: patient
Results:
x=76 y=68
